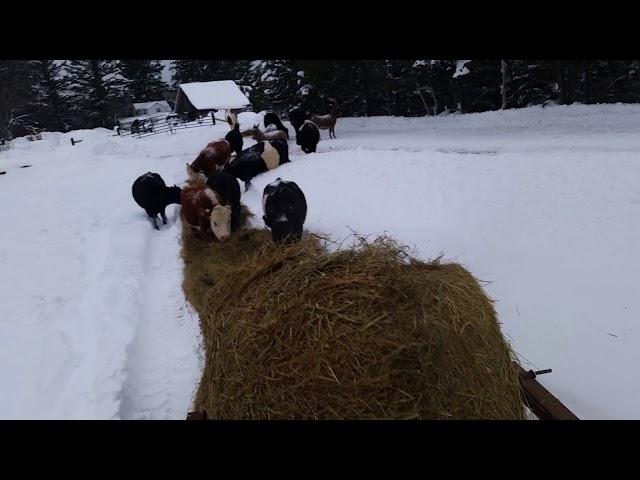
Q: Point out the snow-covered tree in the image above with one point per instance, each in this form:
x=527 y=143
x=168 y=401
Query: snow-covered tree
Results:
x=51 y=99
x=274 y=84
x=143 y=79
x=97 y=90
x=17 y=89
x=207 y=70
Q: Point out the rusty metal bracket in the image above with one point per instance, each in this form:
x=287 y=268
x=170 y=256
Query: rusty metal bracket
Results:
x=541 y=402
x=530 y=375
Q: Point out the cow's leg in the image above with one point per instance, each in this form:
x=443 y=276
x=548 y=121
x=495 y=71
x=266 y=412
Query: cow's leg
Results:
x=235 y=218
x=205 y=229
x=164 y=217
x=247 y=184
x=153 y=216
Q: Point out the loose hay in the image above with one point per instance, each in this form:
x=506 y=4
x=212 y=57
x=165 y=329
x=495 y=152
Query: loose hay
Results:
x=295 y=332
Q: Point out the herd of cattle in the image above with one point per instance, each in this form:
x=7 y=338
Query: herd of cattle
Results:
x=211 y=200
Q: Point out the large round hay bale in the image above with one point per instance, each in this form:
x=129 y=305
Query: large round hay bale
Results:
x=296 y=332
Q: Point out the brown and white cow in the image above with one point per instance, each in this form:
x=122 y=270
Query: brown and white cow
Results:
x=211 y=159
x=204 y=212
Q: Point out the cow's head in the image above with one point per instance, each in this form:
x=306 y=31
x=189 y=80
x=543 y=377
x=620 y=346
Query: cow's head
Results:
x=232 y=119
x=283 y=231
x=221 y=222
x=175 y=194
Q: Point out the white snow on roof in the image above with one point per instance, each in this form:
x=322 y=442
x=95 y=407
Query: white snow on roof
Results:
x=223 y=94
x=141 y=105
x=461 y=68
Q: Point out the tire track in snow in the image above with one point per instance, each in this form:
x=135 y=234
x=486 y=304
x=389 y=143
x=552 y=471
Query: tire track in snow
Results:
x=106 y=322
x=164 y=363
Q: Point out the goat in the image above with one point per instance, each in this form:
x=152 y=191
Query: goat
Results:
x=328 y=121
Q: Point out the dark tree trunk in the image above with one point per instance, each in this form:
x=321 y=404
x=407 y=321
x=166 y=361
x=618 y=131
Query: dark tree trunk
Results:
x=587 y=82
x=562 y=89
x=566 y=74
x=570 y=81
x=426 y=107
x=459 y=89
x=504 y=85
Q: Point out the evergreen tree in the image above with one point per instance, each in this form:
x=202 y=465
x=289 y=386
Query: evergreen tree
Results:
x=51 y=100
x=435 y=77
x=97 y=90
x=18 y=80
x=143 y=79
x=273 y=84
x=185 y=71
x=479 y=89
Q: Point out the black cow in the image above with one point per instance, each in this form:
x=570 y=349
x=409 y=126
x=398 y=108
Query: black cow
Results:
x=297 y=116
x=308 y=136
x=228 y=190
x=285 y=210
x=234 y=137
x=151 y=193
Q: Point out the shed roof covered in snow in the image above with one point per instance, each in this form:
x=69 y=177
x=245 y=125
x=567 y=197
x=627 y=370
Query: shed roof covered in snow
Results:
x=217 y=95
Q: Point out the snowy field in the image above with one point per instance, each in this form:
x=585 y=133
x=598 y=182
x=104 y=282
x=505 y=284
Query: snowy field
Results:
x=541 y=203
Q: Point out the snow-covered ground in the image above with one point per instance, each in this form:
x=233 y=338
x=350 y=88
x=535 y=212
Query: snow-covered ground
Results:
x=541 y=203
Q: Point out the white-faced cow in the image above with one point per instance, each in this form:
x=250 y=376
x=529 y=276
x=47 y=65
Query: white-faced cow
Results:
x=204 y=212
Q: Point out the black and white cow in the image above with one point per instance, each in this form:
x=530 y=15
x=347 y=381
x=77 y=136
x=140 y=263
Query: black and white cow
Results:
x=297 y=116
x=228 y=190
x=151 y=193
x=234 y=137
x=272 y=119
x=285 y=210
x=257 y=159
x=308 y=136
